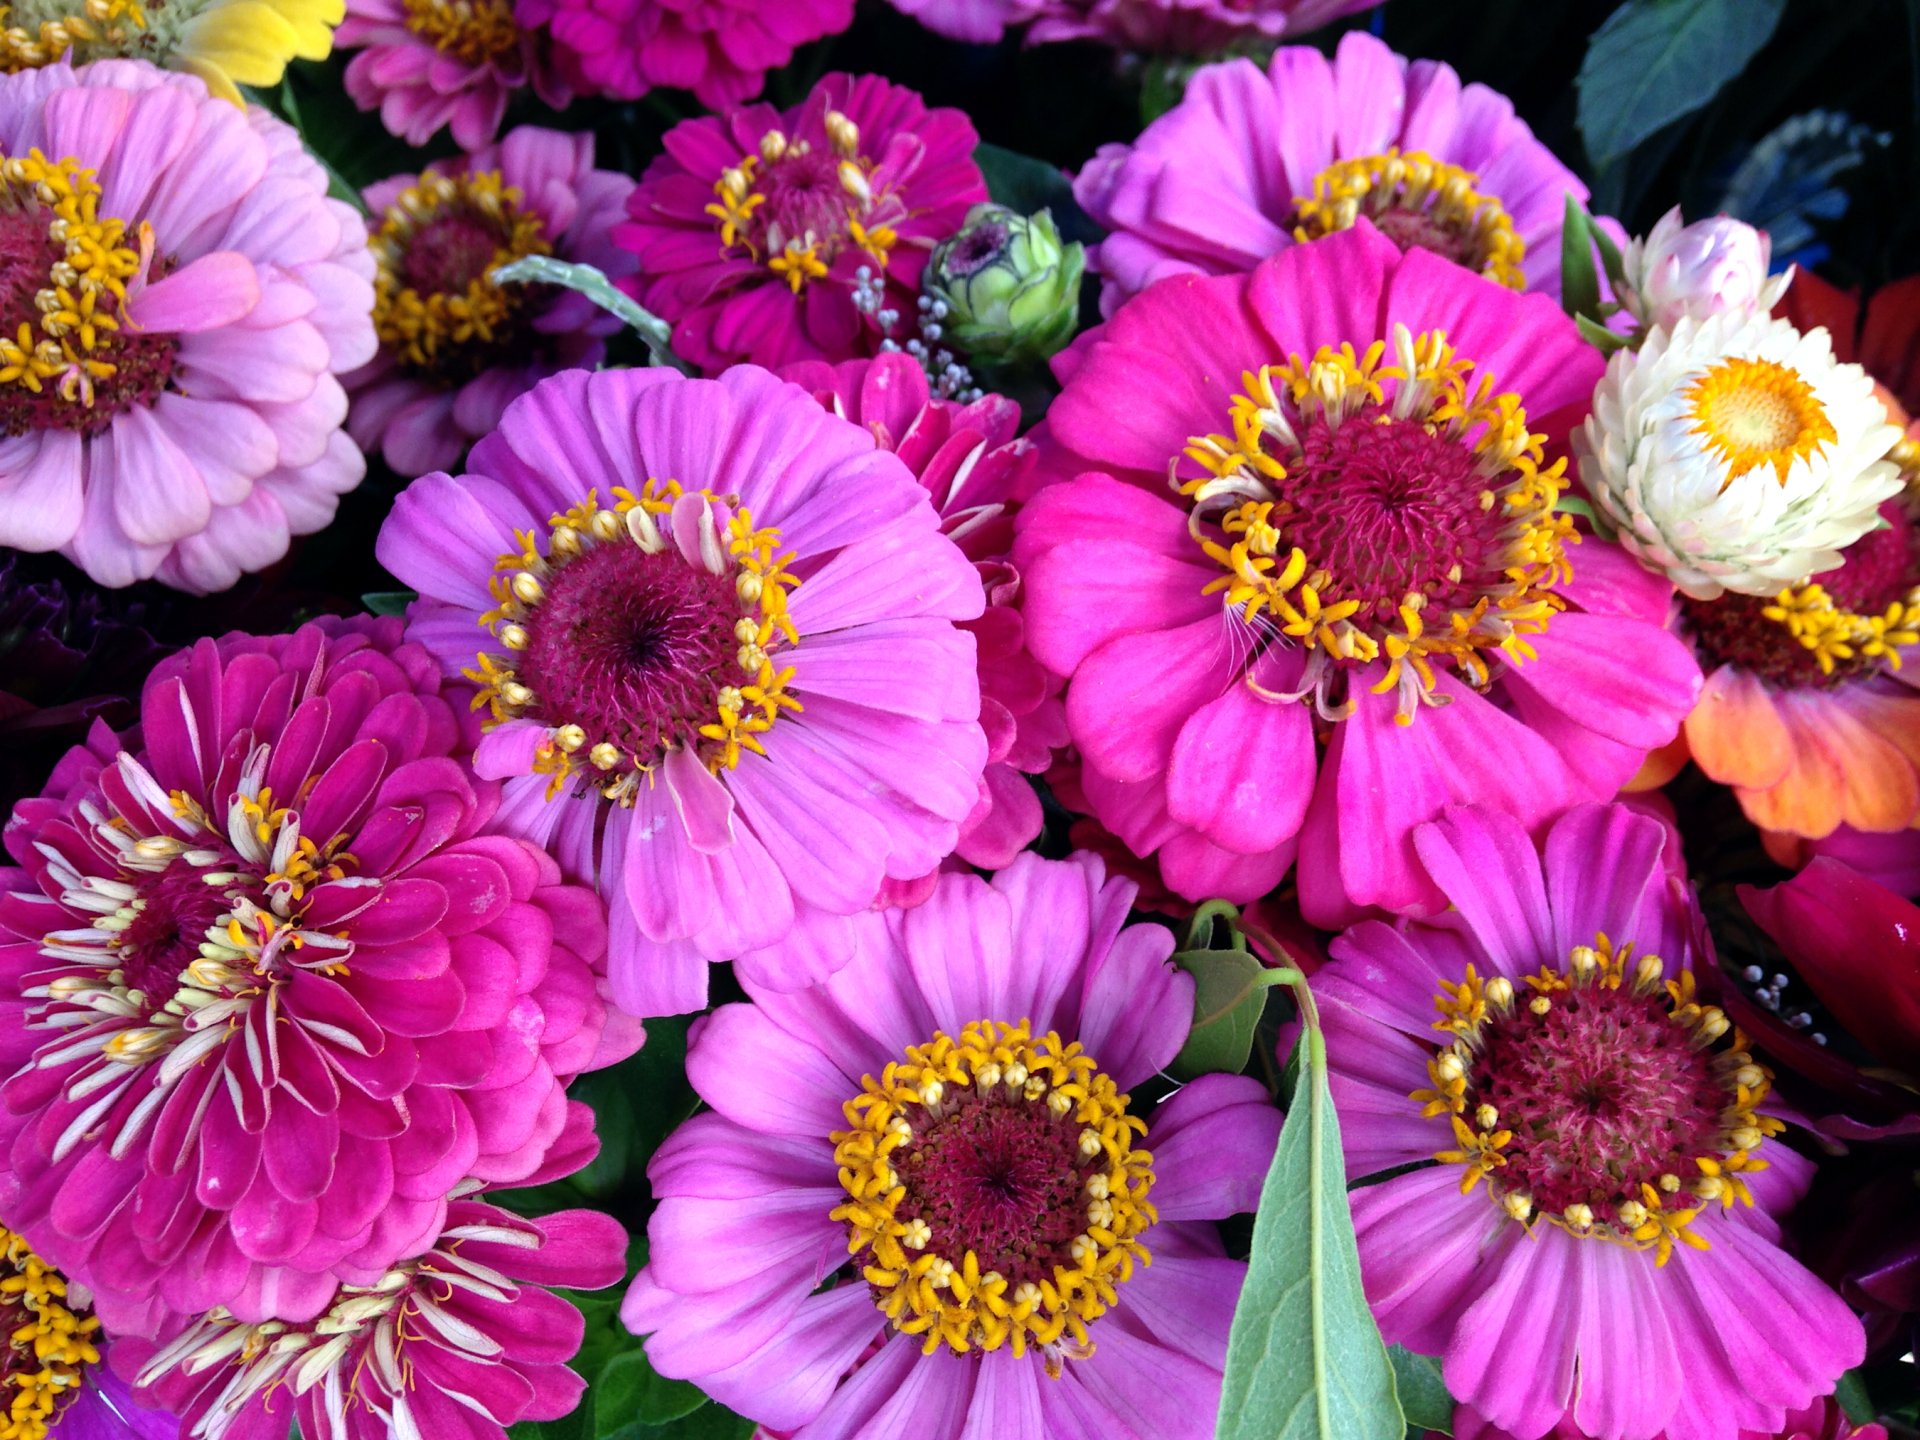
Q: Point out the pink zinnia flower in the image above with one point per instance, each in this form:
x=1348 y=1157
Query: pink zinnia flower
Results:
x=195 y=425
x=1822 y=1420
x=933 y=1116
x=266 y=990
x=1252 y=162
x=1356 y=605
x=721 y=50
x=455 y=1343
x=425 y=64
x=971 y=464
x=758 y=232
x=1604 y=1144
x=454 y=346
x=977 y=22
x=1183 y=27
x=715 y=628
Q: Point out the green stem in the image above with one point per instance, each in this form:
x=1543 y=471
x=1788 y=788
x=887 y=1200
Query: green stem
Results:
x=585 y=280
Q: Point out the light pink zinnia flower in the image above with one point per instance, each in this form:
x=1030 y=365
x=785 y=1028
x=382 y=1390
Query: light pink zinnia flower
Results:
x=934 y=1115
x=971 y=463
x=753 y=230
x=455 y=1343
x=1355 y=605
x=267 y=992
x=454 y=346
x=1604 y=1144
x=715 y=627
x=1822 y=1420
x=428 y=63
x=721 y=50
x=1183 y=27
x=1253 y=161
x=976 y=22
x=195 y=424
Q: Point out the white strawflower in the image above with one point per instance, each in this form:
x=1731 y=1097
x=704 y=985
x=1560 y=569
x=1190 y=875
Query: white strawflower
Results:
x=1680 y=271
x=1736 y=453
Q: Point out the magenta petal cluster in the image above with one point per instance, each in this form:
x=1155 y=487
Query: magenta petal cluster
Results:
x=1600 y=1077
x=973 y=466
x=721 y=50
x=621 y=630
x=215 y=436
x=1213 y=739
x=423 y=417
x=455 y=1343
x=860 y=175
x=1183 y=27
x=744 y=1235
x=427 y=66
x=977 y=22
x=1822 y=1420
x=269 y=989
x=1213 y=185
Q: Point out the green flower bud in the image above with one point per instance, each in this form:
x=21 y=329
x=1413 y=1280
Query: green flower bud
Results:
x=1011 y=288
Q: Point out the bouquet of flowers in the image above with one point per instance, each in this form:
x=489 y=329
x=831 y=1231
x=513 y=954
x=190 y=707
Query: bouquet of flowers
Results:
x=959 y=720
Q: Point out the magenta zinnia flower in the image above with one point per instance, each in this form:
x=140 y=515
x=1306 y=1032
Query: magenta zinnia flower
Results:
x=944 y=1129
x=1252 y=162
x=971 y=464
x=455 y=1343
x=1358 y=605
x=1183 y=27
x=721 y=50
x=1621 y=1130
x=425 y=64
x=194 y=425
x=266 y=990
x=977 y=22
x=454 y=346
x=1822 y=1420
x=758 y=232
x=714 y=626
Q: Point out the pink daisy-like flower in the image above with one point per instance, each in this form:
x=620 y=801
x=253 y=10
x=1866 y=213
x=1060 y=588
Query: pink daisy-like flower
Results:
x=425 y=64
x=1822 y=1420
x=455 y=347
x=715 y=629
x=977 y=22
x=721 y=50
x=1603 y=1142
x=971 y=463
x=455 y=1343
x=1183 y=27
x=267 y=991
x=194 y=425
x=1355 y=604
x=1252 y=162
x=757 y=232
x=953 y=1107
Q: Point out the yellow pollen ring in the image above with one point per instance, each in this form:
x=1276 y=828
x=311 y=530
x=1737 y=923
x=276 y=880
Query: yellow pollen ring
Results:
x=477 y=32
x=52 y=1346
x=1415 y=184
x=1758 y=412
x=947 y=1299
x=1836 y=635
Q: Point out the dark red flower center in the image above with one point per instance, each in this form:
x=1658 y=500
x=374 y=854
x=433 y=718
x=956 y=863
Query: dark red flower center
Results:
x=175 y=910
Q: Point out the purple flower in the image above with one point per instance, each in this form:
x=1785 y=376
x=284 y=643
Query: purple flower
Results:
x=1251 y=162
x=1600 y=1240
x=715 y=629
x=944 y=1131
x=267 y=990
x=1182 y=27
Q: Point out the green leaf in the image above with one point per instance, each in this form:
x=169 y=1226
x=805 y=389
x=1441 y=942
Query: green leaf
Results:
x=1423 y=1393
x=630 y=1390
x=636 y=1105
x=1020 y=182
x=587 y=281
x=1657 y=61
x=1229 y=996
x=1579 y=282
x=388 y=602
x=1851 y=1393
x=1598 y=336
x=1304 y=1359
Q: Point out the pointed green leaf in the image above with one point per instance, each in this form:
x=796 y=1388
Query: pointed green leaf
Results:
x=1579 y=284
x=1423 y=1392
x=388 y=602
x=587 y=281
x=1304 y=1359
x=1229 y=996
x=1598 y=336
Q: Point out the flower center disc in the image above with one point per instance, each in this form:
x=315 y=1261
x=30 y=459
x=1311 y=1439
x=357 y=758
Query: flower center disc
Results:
x=46 y=1342
x=1412 y=524
x=1594 y=1098
x=994 y=1191
x=67 y=361
x=475 y=32
x=1415 y=200
x=1758 y=412
x=434 y=306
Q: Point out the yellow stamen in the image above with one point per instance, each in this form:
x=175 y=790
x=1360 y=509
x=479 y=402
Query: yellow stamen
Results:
x=1436 y=194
